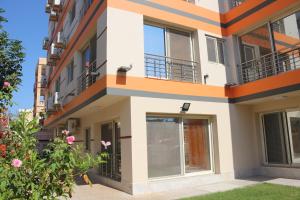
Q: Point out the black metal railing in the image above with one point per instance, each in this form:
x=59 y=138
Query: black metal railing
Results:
x=162 y=67
x=111 y=168
x=270 y=65
x=88 y=77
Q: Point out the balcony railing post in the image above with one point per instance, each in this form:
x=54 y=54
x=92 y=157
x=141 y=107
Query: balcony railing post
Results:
x=163 y=67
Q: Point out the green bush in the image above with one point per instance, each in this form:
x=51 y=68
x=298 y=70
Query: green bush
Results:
x=25 y=174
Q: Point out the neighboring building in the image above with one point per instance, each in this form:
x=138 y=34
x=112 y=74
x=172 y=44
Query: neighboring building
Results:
x=29 y=113
x=40 y=91
x=121 y=71
x=39 y=88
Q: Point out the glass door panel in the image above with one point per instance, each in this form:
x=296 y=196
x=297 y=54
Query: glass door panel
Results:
x=154 y=48
x=163 y=143
x=117 y=149
x=275 y=138
x=294 y=133
x=196 y=145
x=179 y=50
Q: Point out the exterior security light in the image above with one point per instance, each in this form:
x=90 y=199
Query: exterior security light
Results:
x=124 y=69
x=185 y=107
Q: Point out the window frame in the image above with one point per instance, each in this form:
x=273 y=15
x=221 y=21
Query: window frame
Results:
x=183 y=172
x=216 y=48
x=72 y=13
x=287 y=139
x=113 y=143
x=70 y=72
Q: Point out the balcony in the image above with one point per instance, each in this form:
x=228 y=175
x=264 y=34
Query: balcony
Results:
x=60 y=41
x=50 y=2
x=57 y=5
x=48 y=8
x=53 y=16
x=166 y=68
x=270 y=65
x=88 y=77
x=54 y=52
x=45 y=43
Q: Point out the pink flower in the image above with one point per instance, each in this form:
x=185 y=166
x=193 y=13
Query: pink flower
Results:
x=70 y=139
x=6 y=84
x=65 y=132
x=16 y=163
x=106 y=144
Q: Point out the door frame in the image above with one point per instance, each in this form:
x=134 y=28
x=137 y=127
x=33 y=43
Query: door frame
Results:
x=182 y=152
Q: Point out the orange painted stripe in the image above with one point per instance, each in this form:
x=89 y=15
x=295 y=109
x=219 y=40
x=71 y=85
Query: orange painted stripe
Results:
x=165 y=86
x=92 y=26
x=174 y=18
x=166 y=16
x=180 y=88
x=192 y=9
x=99 y=85
x=262 y=14
x=241 y=9
x=266 y=84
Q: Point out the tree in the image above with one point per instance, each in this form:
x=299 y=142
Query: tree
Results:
x=11 y=59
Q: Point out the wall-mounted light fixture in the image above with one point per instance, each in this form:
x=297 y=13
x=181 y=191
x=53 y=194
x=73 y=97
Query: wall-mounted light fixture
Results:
x=124 y=69
x=185 y=107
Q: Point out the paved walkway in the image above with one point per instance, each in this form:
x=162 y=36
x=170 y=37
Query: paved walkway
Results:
x=100 y=192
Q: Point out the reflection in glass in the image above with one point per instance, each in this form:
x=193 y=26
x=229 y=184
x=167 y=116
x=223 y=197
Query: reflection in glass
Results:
x=286 y=33
x=294 y=132
x=274 y=138
x=163 y=143
x=196 y=145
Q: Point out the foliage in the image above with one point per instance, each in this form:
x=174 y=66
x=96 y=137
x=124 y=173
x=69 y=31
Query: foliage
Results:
x=11 y=58
x=25 y=174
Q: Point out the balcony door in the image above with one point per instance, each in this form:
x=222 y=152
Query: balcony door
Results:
x=294 y=134
x=168 y=53
x=179 y=50
x=89 y=64
x=282 y=137
x=111 y=132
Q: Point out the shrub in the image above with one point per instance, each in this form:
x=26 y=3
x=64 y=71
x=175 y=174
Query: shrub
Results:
x=25 y=174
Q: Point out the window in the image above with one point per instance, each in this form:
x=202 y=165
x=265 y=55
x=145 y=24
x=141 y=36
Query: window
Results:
x=282 y=137
x=215 y=49
x=168 y=53
x=111 y=132
x=42 y=98
x=177 y=146
x=87 y=139
x=57 y=85
x=72 y=13
x=70 y=72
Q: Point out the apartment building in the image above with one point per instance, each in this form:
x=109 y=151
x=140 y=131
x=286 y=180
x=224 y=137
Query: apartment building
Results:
x=186 y=91
x=39 y=87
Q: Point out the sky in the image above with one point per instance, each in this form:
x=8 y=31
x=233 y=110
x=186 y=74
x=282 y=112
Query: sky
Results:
x=28 y=22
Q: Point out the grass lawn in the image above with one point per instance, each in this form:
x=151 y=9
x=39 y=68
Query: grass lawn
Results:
x=263 y=191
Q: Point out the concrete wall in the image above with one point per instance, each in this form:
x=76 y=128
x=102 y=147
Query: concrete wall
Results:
x=125 y=41
x=218 y=112
x=93 y=118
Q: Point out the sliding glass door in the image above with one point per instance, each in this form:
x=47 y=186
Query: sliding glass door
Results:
x=163 y=141
x=177 y=146
x=168 y=53
x=282 y=137
x=293 y=119
x=196 y=145
x=111 y=132
x=275 y=138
